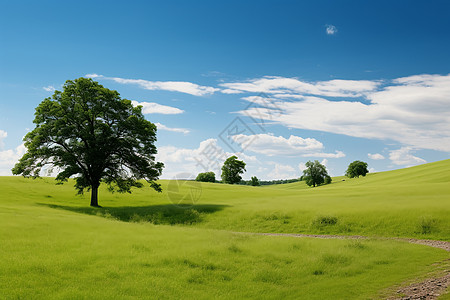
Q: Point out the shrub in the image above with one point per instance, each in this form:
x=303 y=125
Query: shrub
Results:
x=321 y=221
x=426 y=224
x=254 y=181
x=206 y=177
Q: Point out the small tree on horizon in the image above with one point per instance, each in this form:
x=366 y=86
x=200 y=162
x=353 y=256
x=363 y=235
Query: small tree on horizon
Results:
x=315 y=174
x=206 y=177
x=356 y=169
x=254 y=181
x=232 y=169
x=87 y=132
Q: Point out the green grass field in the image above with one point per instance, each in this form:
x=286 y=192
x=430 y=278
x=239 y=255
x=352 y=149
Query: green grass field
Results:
x=52 y=245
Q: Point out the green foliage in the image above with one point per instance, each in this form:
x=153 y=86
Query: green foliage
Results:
x=356 y=169
x=315 y=174
x=232 y=170
x=321 y=221
x=88 y=132
x=254 y=181
x=206 y=177
x=427 y=224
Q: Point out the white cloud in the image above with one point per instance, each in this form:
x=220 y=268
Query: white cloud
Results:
x=337 y=154
x=301 y=167
x=271 y=145
x=9 y=158
x=414 y=111
x=281 y=171
x=164 y=127
x=331 y=29
x=93 y=76
x=3 y=135
x=277 y=145
x=294 y=86
x=155 y=108
x=403 y=157
x=231 y=91
x=49 y=88
x=174 y=86
x=184 y=160
x=208 y=156
x=375 y=156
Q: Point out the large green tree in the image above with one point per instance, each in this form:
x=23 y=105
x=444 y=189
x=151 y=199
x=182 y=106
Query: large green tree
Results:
x=89 y=133
x=356 y=169
x=232 y=169
x=315 y=174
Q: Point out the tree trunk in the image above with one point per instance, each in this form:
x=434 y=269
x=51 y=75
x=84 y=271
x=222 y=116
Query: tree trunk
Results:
x=94 y=196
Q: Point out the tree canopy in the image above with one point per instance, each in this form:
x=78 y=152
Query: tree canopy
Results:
x=254 y=181
x=232 y=169
x=356 y=169
x=315 y=174
x=89 y=133
x=206 y=177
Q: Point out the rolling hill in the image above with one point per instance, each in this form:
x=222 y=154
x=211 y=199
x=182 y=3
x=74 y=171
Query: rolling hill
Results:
x=141 y=245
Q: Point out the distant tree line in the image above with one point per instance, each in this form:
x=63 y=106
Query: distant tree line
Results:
x=271 y=182
x=315 y=174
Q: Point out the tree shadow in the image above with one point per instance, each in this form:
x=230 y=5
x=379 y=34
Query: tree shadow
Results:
x=156 y=214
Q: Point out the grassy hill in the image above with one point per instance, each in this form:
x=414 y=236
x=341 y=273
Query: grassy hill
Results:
x=412 y=202
x=52 y=245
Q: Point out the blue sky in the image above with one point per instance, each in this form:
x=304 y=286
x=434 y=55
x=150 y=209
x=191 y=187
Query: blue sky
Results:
x=276 y=82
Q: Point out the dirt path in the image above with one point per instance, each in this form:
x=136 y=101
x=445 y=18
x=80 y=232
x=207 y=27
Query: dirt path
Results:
x=431 y=288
